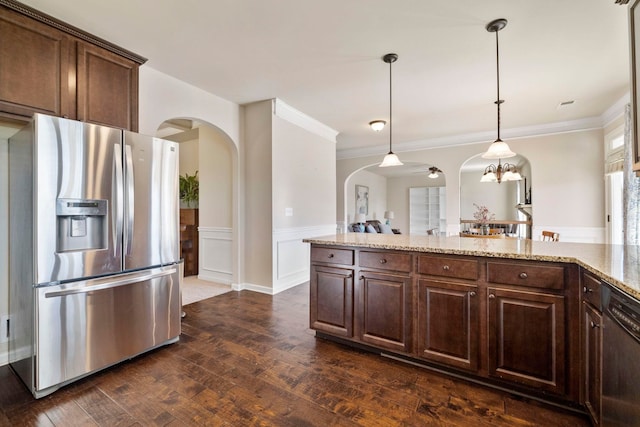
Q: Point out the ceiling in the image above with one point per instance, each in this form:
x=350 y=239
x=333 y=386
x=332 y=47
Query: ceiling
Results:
x=324 y=58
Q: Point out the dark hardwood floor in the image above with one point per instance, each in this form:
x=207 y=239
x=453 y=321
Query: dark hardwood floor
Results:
x=250 y=359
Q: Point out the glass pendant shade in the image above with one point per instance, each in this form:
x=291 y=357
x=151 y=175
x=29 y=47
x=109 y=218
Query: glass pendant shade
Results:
x=390 y=160
x=433 y=175
x=489 y=177
x=498 y=150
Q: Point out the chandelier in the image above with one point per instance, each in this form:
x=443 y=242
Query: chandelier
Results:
x=506 y=172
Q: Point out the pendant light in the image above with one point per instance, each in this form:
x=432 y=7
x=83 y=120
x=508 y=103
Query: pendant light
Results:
x=498 y=149
x=390 y=159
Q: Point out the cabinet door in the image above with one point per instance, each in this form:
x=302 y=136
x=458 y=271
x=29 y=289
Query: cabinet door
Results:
x=384 y=310
x=331 y=300
x=592 y=351
x=107 y=88
x=527 y=338
x=34 y=68
x=448 y=323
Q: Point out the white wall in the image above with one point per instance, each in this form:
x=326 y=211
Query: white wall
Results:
x=567 y=184
x=189 y=156
x=216 y=179
x=290 y=193
x=498 y=198
x=377 y=195
x=258 y=192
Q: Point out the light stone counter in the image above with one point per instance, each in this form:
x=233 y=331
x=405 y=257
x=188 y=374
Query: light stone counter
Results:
x=616 y=264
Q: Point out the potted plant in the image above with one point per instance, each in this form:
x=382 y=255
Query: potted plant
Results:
x=189 y=189
x=483 y=216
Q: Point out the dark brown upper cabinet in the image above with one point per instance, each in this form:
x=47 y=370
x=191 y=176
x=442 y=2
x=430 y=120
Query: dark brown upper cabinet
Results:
x=53 y=68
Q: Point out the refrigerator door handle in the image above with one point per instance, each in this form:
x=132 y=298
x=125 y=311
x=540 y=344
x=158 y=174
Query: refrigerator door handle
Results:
x=128 y=156
x=118 y=207
x=92 y=285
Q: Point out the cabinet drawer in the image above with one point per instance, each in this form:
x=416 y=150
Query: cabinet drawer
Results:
x=386 y=261
x=448 y=267
x=331 y=255
x=591 y=290
x=536 y=275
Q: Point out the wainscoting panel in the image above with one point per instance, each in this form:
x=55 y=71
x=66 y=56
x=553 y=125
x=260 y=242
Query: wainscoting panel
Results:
x=216 y=257
x=291 y=255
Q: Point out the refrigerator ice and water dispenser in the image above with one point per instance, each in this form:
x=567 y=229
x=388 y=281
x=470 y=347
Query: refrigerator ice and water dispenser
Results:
x=82 y=224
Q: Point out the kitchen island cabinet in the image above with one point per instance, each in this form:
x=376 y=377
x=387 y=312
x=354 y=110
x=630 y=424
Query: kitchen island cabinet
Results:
x=592 y=345
x=519 y=315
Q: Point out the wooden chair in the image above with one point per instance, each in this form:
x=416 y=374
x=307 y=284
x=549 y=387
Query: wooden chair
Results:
x=550 y=236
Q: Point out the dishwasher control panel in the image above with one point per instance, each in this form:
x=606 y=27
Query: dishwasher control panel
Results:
x=625 y=310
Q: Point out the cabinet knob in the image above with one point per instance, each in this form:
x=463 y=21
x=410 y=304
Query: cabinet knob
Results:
x=594 y=325
x=523 y=275
x=445 y=267
x=587 y=290
x=491 y=296
x=330 y=255
x=383 y=261
x=472 y=294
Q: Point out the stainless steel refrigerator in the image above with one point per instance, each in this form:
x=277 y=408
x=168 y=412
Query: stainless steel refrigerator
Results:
x=94 y=269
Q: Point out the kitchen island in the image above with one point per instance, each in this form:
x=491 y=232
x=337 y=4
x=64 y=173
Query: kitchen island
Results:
x=505 y=312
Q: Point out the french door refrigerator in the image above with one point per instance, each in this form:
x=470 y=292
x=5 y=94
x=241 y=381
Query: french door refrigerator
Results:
x=94 y=267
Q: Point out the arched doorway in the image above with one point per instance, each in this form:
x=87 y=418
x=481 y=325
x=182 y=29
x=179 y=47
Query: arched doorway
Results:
x=390 y=189
x=509 y=202
x=209 y=151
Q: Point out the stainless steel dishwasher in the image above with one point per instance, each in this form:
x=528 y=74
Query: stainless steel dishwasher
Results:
x=620 y=358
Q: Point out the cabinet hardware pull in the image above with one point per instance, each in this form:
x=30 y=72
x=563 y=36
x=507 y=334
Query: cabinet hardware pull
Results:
x=587 y=290
x=594 y=325
x=491 y=296
x=361 y=277
x=523 y=275
x=349 y=276
x=383 y=261
x=330 y=255
x=445 y=268
x=472 y=294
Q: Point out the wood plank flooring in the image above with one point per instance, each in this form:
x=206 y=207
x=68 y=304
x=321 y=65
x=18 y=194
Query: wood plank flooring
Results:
x=248 y=359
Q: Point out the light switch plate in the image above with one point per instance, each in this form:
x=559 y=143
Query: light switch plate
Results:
x=288 y=211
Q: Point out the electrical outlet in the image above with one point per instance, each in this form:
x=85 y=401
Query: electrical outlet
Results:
x=4 y=328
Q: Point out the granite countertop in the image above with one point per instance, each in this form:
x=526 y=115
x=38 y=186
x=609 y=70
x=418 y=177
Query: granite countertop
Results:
x=616 y=264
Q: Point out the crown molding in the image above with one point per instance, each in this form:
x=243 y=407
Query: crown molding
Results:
x=616 y=110
x=298 y=118
x=588 y=123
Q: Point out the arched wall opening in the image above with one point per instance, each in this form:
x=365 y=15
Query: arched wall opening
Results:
x=207 y=149
x=389 y=189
